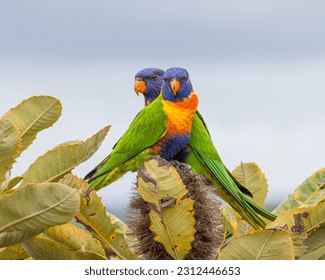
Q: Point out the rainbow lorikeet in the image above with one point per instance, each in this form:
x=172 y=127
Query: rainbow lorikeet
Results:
x=148 y=81
x=203 y=157
x=163 y=129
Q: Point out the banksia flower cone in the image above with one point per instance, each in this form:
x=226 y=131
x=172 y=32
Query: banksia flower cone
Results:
x=174 y=214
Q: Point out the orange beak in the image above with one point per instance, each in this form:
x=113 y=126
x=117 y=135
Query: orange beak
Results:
x=175 y=85
x=140 y=86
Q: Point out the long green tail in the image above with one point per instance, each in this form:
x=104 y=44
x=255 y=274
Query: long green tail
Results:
x=245 y=207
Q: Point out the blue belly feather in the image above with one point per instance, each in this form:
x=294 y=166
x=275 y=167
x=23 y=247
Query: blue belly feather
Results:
x=172 y=146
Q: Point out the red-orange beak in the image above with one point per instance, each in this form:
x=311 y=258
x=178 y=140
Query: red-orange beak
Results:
x=140 y=86
x=175 y=85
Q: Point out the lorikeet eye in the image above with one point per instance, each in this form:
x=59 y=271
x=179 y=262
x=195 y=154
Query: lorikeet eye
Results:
x=165 y=80
x=154 y=77
x=184 y=78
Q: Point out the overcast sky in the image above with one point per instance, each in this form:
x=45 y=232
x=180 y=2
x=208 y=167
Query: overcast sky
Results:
x=257 y=67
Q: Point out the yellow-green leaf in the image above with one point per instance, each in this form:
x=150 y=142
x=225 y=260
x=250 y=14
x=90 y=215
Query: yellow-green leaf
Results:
x=54 y=164
x=75 y=182
x=235 y=224
x=33 y=115
x=301 y=219
x=40 y=248
x=65 y=242
x=252 y=177
x=299 y=222
x=9 y=238
x=14 y=181
x=243 y=227
x=9 y=145
x=299 y=243
x=231 y=217
x=316 y=245
x=27 y=211
x=310 y=192
x=14 y=252
x=259 y=245
x=172 y=214
x=93 y=216
x=318 y=254
x=74 y=238
x=117 y=223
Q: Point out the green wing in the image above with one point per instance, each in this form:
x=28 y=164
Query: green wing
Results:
x=200 y=121
x=203 y=147
x=201 y=132
x=204 y=150
x=145 y=130
x=200 y=138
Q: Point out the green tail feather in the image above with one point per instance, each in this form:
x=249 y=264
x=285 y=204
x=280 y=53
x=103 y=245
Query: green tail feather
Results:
x=229 y=191
x=264 y=213
x=246 y=211
x=257 y=219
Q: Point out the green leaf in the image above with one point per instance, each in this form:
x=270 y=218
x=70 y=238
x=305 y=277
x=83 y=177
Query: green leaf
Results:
x=172 y=214
x=259 y=245
x=27 y=211
x=93 y=216
x=54 y=164
x=9 y=145
x=63 y=243
x=251 y=176
x=34 y=115
x=310 y=192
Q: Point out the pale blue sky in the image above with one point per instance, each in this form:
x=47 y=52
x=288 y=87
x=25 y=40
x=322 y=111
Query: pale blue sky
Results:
x=257 y=67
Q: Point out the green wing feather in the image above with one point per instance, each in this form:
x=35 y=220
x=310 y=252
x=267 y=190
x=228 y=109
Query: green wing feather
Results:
x=200 y=137
x=145 y=130
x=195 y=138
x=205 y=152
x=200 y=121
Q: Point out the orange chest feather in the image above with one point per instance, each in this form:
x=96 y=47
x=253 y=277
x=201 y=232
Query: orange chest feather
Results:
x=180 y=114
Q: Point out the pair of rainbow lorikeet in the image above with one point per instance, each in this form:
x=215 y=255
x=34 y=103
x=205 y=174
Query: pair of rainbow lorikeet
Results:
x=171 y=127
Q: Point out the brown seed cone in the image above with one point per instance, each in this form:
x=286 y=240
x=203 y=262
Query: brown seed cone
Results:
x=209 y=223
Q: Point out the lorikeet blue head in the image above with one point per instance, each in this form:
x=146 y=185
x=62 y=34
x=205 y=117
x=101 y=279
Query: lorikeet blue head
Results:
x=148 y=81
x=177 y=84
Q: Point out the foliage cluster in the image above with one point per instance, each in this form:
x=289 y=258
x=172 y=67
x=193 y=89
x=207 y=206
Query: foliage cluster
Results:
x=49 y=213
